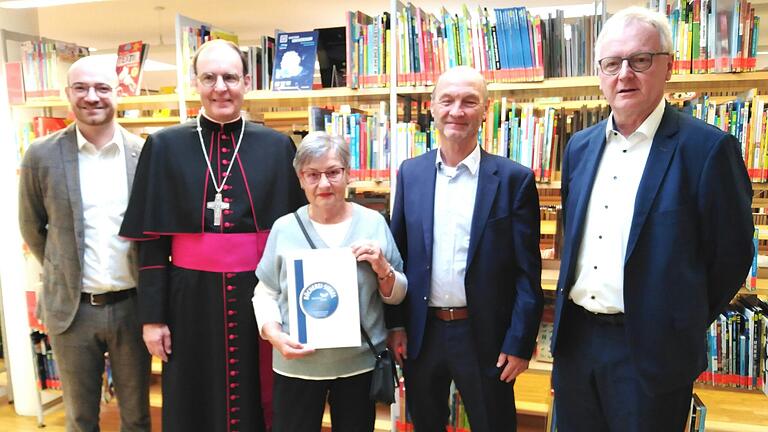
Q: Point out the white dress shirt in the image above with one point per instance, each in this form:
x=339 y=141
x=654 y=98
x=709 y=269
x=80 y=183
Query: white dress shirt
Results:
x=599 y=281
x=104 y=192
x=455 y=191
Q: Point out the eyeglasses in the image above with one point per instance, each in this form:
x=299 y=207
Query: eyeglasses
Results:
x=638 y=62
x=333 y=175
x=81 y=89
x=209 y=79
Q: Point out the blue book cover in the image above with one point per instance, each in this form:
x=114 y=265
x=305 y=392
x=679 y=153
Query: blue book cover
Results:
x=295 y=57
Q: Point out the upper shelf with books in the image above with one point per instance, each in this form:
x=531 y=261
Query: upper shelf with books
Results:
x=589 y=85
x=123 y=102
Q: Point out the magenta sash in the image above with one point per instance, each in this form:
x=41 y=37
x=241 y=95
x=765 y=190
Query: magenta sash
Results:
x=219 y=253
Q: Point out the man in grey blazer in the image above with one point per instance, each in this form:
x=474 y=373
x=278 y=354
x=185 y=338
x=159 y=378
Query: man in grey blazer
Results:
x=73 y=192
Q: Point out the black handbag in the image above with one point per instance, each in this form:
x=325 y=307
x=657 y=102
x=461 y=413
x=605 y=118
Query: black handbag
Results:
x=384 y=375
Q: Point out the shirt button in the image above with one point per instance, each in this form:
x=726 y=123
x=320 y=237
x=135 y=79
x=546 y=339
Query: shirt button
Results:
x=225 y=199
x=425 y=299
x=227 y=225
x=595 y=267
x=615 y=177
x=225 y=150
x=600 y=237
x=225 y=162
x=623 y=151
x=592 y=297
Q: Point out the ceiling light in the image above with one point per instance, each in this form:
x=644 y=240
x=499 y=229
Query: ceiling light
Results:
x=27 y=4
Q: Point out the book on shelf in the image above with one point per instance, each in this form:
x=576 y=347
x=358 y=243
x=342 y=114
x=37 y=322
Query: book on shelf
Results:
x=130 y=67
x=14 y=80
x=697 y=415
x=332 y=56
x=542 y=352
x=267 y=61
x=295 y=58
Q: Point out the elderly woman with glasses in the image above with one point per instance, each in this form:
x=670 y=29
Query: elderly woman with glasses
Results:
x=304 y=377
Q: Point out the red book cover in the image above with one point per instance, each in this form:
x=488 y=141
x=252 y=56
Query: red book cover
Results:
x=46 y=125
x=129 y=67
x=14 y=79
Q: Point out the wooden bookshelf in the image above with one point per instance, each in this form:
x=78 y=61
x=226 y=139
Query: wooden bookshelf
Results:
x=149 y=121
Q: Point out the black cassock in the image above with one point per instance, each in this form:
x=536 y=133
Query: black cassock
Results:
x=211 y=381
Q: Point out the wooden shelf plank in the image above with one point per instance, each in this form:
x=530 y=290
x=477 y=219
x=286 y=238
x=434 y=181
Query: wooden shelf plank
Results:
x=150 y=121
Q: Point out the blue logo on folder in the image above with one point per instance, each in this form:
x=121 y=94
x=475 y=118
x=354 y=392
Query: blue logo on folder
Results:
x=319 y=300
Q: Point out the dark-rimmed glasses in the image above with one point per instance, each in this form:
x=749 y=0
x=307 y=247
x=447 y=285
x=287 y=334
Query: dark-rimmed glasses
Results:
x=334 y=175
x=638 y=62
x=82 y=89
x=209 y=79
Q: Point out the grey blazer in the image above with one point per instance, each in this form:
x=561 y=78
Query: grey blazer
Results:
x=51 y=220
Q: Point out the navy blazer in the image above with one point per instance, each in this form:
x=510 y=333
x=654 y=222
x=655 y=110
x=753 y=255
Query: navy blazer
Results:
x=689 y=247
x=503 y=278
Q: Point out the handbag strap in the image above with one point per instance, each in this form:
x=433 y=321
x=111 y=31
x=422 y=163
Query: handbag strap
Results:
x=312 y=244
x=304 y=230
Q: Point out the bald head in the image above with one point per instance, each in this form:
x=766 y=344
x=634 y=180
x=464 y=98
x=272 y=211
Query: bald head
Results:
x=94 y=66
x=219 y=43
x=465 y=74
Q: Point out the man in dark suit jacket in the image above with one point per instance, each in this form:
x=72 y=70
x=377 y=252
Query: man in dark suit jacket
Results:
x=73 y=191
x=467 y=225
x=658 y=239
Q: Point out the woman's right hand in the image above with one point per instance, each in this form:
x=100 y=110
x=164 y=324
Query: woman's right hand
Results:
x=283 y=343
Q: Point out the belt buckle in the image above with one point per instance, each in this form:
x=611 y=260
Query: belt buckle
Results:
x=91 y=299
x=450 y=314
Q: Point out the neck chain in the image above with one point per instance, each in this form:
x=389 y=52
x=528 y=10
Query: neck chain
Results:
x=218 y=204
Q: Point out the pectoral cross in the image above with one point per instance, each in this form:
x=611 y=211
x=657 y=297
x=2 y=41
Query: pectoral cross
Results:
x=217 y=205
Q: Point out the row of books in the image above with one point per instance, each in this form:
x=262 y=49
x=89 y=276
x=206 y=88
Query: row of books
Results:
x=531 y=135
x=368 y=61
x=713 y=35
x=44 y=66
x=744 y=117
x=506 y=46
x=736 y=343
x=367 y=136
x=47 y=372
x=27 y=132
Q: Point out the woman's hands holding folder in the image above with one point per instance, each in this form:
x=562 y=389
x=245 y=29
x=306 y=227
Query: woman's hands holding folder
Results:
x=283 y=343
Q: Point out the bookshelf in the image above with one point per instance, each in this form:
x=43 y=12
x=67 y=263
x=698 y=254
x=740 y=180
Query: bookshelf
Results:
x=291 y=107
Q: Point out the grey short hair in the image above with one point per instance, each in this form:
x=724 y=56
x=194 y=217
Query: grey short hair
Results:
x=465 y=72
x=615 y=25
x=316 y=145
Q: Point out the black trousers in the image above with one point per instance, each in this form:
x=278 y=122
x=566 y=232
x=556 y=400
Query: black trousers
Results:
x=447 y=354
x=597 y=387
x=299 y=404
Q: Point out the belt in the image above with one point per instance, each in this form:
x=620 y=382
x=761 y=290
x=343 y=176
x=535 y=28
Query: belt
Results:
x=449 y=313
x=107 y=297
x=616 y=319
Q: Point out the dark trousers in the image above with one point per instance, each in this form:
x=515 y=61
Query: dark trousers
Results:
x=447 y=354
x=79 y=354
x=597 y=387
x=299 y=404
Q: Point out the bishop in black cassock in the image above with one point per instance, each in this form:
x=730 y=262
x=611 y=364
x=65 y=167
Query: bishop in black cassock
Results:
x=197 y=275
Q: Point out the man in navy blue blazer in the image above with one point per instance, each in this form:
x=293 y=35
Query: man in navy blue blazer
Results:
x=467 y=225
x=658 y=239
